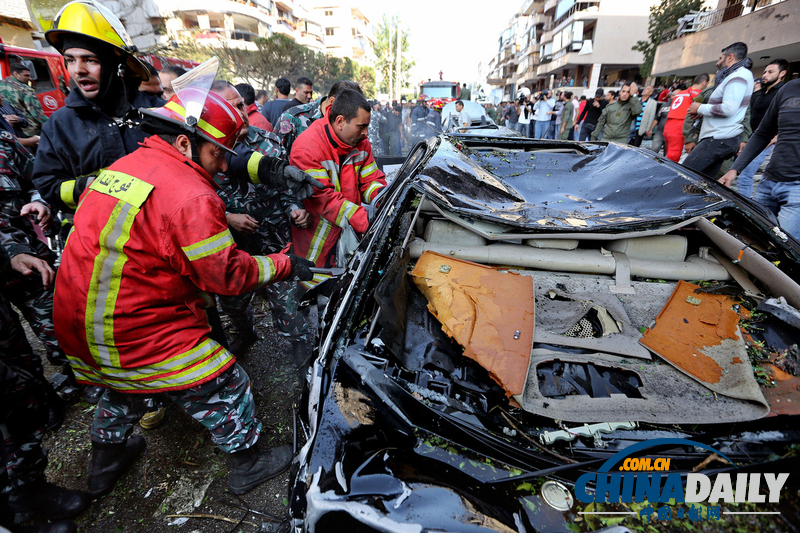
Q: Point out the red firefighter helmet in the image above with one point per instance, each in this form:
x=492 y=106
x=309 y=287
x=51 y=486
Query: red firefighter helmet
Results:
x=437 y=104
x=219 y=122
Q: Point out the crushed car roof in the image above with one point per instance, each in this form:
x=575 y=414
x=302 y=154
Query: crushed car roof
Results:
x=572 y=186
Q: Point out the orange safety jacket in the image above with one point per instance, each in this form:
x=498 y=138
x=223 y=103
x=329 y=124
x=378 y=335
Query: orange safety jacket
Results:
x=150 y=238
x=349 y=175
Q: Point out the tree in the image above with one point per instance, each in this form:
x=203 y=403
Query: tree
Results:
x=279 y=56
x=663 y=17
x=366 y=79
x=382 y=47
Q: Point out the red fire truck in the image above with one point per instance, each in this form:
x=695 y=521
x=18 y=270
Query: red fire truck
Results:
x=48 y=73
x=446 y=91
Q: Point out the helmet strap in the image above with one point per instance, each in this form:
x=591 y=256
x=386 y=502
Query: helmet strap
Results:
x=195 y=151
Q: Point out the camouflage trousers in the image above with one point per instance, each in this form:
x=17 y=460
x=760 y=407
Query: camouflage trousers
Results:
x=36 y=304
x=224 y=405
x=283 y=298
x=23 y=405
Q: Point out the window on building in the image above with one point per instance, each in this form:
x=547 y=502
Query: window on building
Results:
x=328 y=13
x=354 y=31
x=329 y=31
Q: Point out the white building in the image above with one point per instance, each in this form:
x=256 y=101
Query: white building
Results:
x=348 y=32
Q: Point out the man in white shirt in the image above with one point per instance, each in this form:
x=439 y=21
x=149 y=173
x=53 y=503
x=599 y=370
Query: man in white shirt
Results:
x=723 y=114
x=544 y=105
x=463 y=117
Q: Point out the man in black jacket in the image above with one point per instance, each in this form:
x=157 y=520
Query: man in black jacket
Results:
x=93 y=129
x=779 y=191
x=771 y=82
x=590 y=115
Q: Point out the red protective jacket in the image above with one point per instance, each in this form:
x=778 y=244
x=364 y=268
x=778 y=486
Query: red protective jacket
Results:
x=350 y=176
x=257 y=119
x=150 y=237
x=673 y=129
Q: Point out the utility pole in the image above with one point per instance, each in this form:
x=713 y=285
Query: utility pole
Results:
x=399 y=62
x=391 y=59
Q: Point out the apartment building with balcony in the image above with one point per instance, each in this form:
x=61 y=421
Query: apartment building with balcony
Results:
x=238 y=23
x=348 y=32
x=19 y=26
x=590 y=41
x=513 y=47
x=310 y=32
x=587 y=41
x=768 y=27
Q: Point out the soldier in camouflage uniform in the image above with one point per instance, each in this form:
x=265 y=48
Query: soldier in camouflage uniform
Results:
x=24 y=407
x=267 y=231
x=376 y=119
x=16 y=91
x=18 y=199
x=297 y=119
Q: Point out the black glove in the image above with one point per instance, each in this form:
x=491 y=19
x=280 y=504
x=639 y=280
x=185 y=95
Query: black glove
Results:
x=237 y=167
x=301 y=268
x=278 y=174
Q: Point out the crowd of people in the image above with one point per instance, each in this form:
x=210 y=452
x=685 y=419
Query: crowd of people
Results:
x=175 y=196
x=724 y=129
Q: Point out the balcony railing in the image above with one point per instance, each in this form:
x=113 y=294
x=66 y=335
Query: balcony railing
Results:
x=579 y=6
x=705 y=20
x=220 y=33
x=288 y=23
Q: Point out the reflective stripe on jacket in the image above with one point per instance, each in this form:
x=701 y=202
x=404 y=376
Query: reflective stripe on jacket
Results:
x=150 y=239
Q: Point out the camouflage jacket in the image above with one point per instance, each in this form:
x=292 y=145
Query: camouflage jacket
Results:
x=295 y=121
x=269 y=207
x=24 y=98
x=375 y=120
x=17 y=235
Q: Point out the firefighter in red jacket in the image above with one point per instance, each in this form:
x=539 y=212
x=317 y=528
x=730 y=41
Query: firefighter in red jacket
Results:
x=150 y=239
x=335 y=150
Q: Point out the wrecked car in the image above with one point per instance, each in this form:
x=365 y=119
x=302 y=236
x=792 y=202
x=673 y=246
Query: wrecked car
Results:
x=522 y=311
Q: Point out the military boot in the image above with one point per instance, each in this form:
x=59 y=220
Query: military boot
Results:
x=109 y=462
x=251 y=467
x=245 y=339
x=47 y=500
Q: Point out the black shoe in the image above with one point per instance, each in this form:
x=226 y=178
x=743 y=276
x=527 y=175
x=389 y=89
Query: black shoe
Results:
x=240 y=344
x=65 y=526
x=58 y=410
x=109 y=462
x=48 y=501
x=252 y=467
x=92 y=393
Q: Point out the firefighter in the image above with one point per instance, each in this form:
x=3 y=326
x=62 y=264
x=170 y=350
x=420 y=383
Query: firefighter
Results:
x=150 y=243
x=434 y=118
x=335 y=150
x=93 y=129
